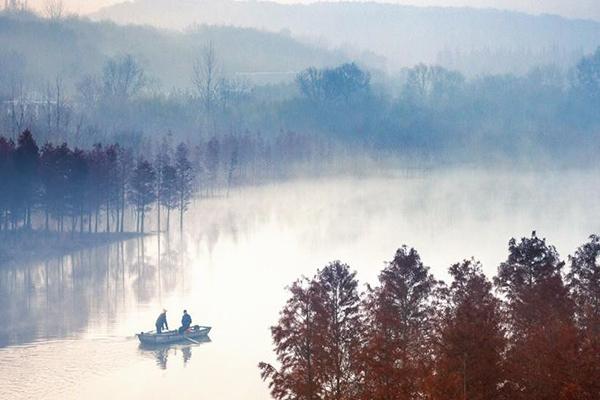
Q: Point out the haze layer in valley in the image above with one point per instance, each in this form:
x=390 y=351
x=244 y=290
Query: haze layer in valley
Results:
x=390 y=36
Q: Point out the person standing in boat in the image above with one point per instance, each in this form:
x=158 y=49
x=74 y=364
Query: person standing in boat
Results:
x=161 y=322
x=186 y=322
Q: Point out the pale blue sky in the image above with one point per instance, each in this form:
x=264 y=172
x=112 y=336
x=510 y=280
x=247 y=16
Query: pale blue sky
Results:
x=568 y=8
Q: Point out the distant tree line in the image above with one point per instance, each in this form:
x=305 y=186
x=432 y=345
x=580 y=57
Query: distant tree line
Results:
x=425 y=111
x=111 y=188
x=414 y=337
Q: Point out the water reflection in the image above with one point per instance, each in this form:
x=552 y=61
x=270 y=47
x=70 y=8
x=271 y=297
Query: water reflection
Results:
x=70 y=321
x=161 y=354
x=91 y=289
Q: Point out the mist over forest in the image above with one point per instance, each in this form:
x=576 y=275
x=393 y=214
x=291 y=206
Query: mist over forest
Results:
x=205 y=157
x=83 y=82
x=389 y=36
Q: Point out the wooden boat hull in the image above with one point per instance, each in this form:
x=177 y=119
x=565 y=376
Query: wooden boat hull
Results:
x=191 y=335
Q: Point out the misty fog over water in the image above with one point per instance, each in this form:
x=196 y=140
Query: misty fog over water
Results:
x=68 y=327
x=354 y=200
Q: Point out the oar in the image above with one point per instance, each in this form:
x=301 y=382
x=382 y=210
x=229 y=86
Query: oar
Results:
x=191 y=340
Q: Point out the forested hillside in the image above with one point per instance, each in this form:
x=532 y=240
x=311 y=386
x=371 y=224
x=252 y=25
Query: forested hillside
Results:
x=474 y=41
x=75 y=47
x=84 y=82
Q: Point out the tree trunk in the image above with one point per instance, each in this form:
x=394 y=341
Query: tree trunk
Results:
x=158 y=216
x=107 y=216
x=122 y=207
x=181 y=213
x=117 y=207
x=168 y=217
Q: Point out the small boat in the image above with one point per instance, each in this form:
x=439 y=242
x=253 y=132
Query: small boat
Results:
x=193 y=334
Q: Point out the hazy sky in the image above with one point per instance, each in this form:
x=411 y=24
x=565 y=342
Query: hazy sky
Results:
x=568 y=8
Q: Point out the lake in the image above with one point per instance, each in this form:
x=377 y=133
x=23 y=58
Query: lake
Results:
x=68 y=323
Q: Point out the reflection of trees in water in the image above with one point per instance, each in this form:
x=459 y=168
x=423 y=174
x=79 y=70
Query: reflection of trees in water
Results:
x=144 y=273
x=64 y=296
x=170 y=264
x=94 y=287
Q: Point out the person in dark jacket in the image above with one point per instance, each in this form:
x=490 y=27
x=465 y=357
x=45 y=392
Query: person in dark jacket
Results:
x=186 y=322
x=161 y=322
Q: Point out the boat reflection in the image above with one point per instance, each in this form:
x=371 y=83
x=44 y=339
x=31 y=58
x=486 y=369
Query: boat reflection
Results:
x=162 y=353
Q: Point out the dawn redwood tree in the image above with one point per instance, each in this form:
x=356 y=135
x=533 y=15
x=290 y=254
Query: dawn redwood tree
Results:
x=142 y=190
x=468 y=362
x=77 y=187
x=296 y=346
x=124 y=167
x=212 y=160
x=542 y=338
x=184 y=183
x=338 y=320
x=234 y=161
x=163 y=159
x=54 y=172
x=396 y=355
x=7 y=180
x=584 y=284
x=26 y=161
x=110 y=164
x=168 y=191
x=99 y=182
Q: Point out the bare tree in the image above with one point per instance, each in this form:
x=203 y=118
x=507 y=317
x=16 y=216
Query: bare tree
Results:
x=15 y=5
x=89 y=91
x=206 y=80
x=54 y=9
x=123 y=77
x=57 y=110
x=13 y=91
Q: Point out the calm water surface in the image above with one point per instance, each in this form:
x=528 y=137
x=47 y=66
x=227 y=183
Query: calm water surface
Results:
x=68 y=324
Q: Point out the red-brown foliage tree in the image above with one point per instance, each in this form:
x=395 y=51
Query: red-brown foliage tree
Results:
x=471 y=341
x=584 y=283
x=540 y=360
x=414 y=338
x=296 y=344
x=339 y=325
x=396 y=355
x=317 y=338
